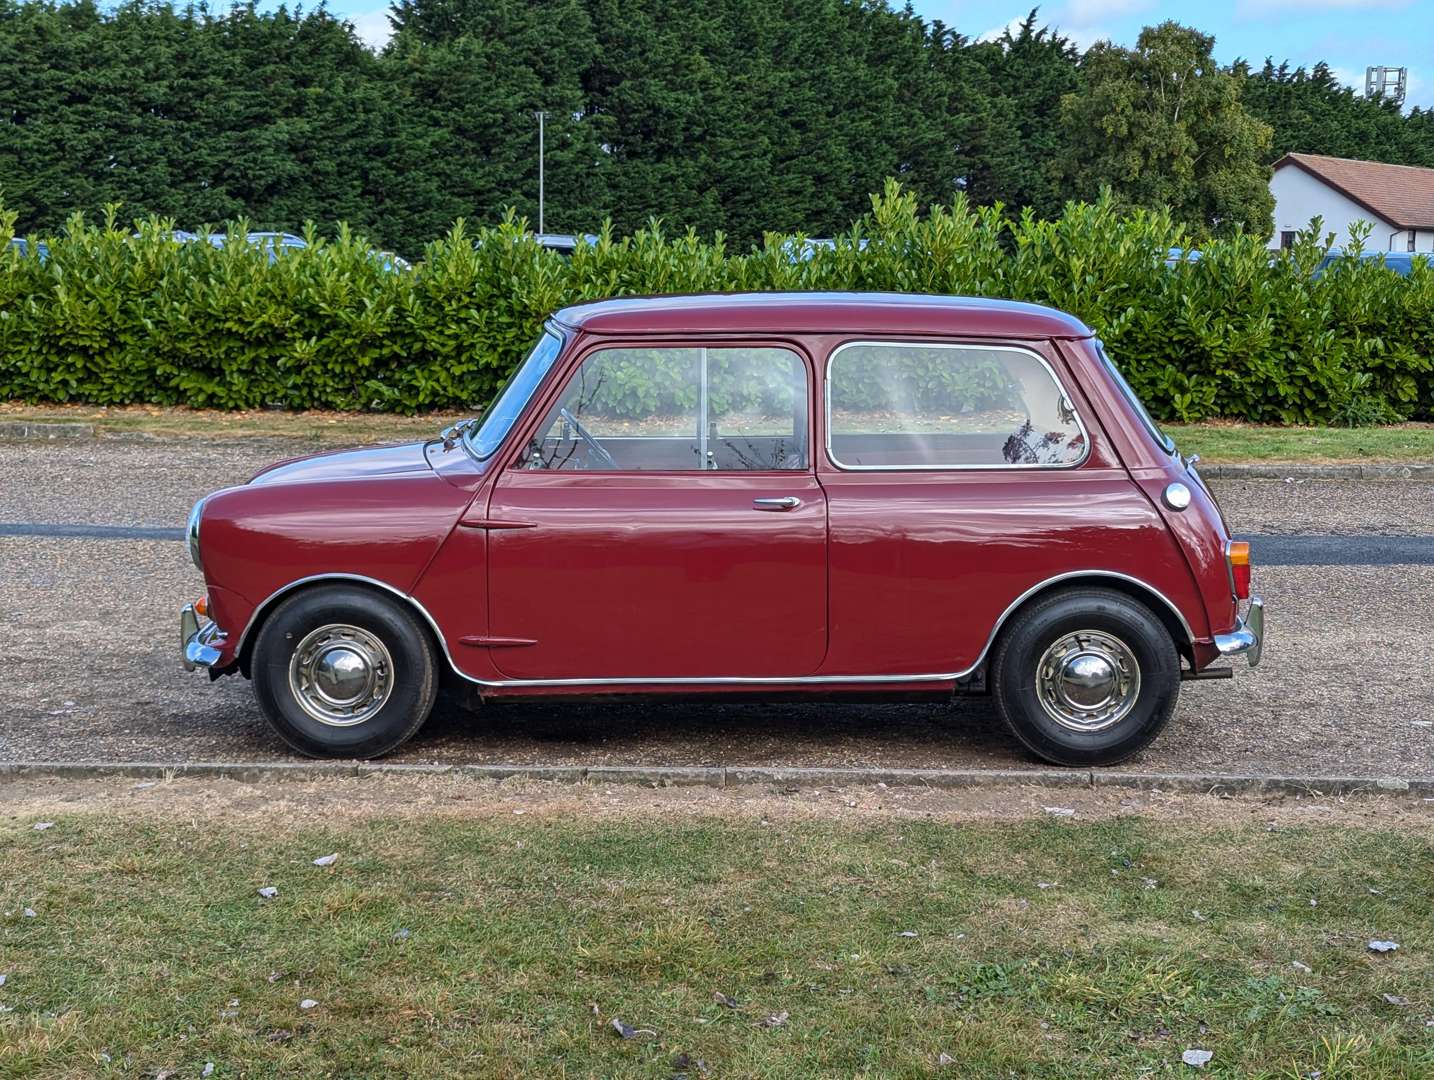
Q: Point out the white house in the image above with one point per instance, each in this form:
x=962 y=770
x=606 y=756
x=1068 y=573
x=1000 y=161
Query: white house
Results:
x=1397 y=200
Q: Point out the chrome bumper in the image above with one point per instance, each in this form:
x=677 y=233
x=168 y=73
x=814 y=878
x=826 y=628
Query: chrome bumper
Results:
x=194 y=640
x=1248 y=637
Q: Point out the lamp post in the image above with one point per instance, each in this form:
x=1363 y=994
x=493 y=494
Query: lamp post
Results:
x=541 y=117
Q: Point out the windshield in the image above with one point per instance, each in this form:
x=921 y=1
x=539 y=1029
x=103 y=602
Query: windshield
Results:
x=1163 y=439
x=482 y=441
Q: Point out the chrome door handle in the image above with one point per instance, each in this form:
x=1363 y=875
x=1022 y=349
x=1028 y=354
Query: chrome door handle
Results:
x=788 y=502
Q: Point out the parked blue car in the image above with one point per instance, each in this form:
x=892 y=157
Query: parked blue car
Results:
x=22 y=245
x=271 y=242
x=1401 y=262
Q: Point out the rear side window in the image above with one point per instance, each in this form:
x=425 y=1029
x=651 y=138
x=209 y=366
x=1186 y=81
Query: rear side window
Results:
x=894 y=405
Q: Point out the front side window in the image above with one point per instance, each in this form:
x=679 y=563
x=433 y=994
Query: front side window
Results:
x=893 y=405
x=679 y=410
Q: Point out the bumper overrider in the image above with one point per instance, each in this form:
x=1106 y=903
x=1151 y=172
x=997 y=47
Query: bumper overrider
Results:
x=195 y=640
x=1248 y=637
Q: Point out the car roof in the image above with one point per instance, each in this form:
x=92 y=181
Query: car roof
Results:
x=821 y=312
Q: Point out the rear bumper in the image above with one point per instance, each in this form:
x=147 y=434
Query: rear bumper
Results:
x=1248 y=637
x=194 y=640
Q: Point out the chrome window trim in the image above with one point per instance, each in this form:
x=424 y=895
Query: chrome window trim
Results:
x=894 y=343
x=722 y=680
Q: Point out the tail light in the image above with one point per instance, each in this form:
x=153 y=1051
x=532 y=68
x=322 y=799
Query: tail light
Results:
x=1238 y=554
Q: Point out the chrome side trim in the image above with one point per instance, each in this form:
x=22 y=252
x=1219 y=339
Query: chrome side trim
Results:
x=896 y=343
x=1248 y=637
x=723 y=680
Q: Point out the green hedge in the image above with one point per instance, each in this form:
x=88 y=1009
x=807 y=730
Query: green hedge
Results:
x=109 y=318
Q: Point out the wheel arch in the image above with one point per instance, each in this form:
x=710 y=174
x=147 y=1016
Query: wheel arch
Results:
x=1159 y=605
x=250 y=633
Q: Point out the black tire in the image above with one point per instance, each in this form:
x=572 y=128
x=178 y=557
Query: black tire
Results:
x=409 y=689
x=1014 y=675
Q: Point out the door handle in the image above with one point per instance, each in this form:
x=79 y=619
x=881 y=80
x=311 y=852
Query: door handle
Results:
x=787 y=502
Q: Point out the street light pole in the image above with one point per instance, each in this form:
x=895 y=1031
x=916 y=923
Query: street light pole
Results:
x=541 y=117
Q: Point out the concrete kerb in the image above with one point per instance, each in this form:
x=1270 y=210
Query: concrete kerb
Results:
x=665 y=776
x=1410 y=471
x=36 y=431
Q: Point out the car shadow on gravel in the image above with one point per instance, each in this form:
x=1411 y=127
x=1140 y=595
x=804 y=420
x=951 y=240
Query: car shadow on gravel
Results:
x=696 y=733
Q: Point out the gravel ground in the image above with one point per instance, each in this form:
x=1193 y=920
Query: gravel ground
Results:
x=89 y=652
x=1346 y=507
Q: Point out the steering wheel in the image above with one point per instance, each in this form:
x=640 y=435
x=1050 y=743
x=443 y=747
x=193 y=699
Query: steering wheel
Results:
x=586 y=436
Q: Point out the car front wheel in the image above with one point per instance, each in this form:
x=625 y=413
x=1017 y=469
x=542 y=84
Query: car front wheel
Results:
x=344 y=672
x=1086 y=677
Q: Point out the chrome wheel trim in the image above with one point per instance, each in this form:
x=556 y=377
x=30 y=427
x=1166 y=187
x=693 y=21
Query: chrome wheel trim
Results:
x=1088 y=681
x=341 y=675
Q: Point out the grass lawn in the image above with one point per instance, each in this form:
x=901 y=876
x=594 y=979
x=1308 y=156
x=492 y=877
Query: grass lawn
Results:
x=1214 y=442
x=1230 y=443
x=505 y=944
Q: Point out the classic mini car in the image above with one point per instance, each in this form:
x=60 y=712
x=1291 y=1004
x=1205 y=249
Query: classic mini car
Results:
x=796 y=494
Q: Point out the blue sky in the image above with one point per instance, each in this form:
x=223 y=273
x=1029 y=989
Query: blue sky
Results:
x=1349 y=34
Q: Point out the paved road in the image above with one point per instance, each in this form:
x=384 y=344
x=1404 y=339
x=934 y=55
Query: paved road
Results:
x=88 y=650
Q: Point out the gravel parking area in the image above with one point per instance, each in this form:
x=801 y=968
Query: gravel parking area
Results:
x=89 y=667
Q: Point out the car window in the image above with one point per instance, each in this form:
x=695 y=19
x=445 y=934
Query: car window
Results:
x=1135 y=403
x=498 y=418
x=895 y=405
x=679 y=410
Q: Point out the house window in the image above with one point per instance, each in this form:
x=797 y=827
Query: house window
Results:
x=1287 y=239
x=1412 y=235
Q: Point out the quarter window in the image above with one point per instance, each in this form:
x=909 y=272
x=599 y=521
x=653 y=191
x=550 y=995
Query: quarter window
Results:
x=679 y=410
x=912 y=406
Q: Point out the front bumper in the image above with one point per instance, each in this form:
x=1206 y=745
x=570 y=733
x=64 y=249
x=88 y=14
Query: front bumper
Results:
x=1248 y=637
x=194 y=640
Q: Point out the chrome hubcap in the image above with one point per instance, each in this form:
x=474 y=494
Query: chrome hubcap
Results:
x=341 y=675
x=1088 y=681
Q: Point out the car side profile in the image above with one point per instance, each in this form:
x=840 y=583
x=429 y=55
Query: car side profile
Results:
x=778 y=493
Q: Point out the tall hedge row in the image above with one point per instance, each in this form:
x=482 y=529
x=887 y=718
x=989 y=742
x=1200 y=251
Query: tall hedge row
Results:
x=113 y=316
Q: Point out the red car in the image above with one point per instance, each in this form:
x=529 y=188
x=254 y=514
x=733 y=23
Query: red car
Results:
x=745 y=494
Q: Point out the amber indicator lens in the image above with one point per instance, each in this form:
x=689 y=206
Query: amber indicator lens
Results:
x=201 y=607
x=1240 y=568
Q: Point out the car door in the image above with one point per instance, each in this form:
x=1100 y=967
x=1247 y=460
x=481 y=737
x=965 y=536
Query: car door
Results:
x=959 y=475
x=664 y=521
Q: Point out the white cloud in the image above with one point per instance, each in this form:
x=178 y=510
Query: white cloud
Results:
x=1090 y=12
x=1013 y=26
x=1082 y=30
x=372 y=27
x=1084 y=36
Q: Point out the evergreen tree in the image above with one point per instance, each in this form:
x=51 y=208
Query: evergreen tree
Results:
x=1018 y=156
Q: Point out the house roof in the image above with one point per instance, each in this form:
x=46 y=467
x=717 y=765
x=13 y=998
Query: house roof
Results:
x=1402 y=195
x=822 y=313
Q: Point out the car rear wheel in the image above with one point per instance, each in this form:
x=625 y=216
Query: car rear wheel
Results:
x=1086 y=677
x=344 y=672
